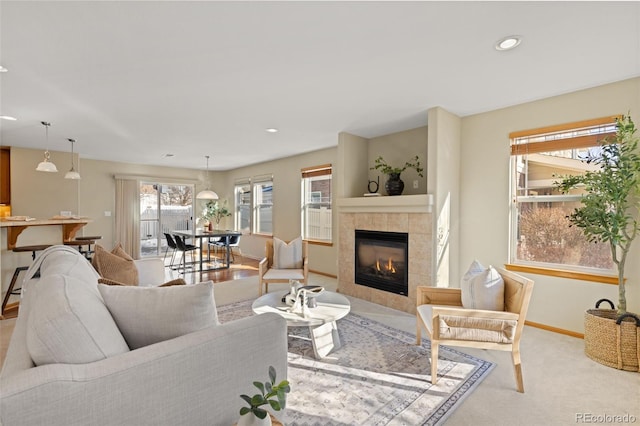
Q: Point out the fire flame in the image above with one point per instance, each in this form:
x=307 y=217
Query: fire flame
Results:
x=388 y=267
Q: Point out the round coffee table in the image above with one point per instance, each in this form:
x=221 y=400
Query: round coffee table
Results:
x=321 y=320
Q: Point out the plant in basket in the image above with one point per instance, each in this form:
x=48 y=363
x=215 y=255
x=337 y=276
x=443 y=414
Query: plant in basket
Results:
x=610 y=213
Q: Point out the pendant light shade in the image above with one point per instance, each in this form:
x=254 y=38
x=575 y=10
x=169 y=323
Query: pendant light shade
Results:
x=72 y=174
x=207 y=194
x=46 y=165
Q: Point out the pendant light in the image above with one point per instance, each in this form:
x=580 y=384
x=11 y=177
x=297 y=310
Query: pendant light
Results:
x=72 y=174
x=46 y=165
x=207 y=194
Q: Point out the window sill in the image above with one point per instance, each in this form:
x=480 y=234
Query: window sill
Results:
x=319 y=243
x=604 y=279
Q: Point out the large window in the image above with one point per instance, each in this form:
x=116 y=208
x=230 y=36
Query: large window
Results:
x=242 y=216
x=262 y=189
x=163 y=208
x=541 y=234
x=316 y=203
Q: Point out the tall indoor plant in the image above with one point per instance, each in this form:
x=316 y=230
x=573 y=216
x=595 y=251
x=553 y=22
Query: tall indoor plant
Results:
x=610 y=211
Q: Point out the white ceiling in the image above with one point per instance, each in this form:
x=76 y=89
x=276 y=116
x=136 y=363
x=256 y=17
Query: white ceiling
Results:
x=132 y=81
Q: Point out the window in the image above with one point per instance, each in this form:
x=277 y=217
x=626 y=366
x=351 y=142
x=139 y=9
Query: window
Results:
x=242 y=217
x=263 y=205
x=316 y=203
x=541 y=234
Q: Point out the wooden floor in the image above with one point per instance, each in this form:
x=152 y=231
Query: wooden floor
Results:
x=242 y=267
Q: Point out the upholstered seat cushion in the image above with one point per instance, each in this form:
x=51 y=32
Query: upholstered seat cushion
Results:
x=147 y=315
x=68 y=323
x=284 y=274
x=477 y=329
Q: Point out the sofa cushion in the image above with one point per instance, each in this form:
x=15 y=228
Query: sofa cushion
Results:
x=68 y=323
x=177 y=281
x=287 y=256
x=147 y=315
x=482 y=288
x=116 y=265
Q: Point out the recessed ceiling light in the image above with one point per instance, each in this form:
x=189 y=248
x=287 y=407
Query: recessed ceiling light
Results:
x=3 y=69
x=508 y=43
x=272 y=130
x=8 y=117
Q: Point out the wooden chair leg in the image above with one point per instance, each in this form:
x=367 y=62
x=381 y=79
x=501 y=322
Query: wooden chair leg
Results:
x=517 y=365
x=434 y=362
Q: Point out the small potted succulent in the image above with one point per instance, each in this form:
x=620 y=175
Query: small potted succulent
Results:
x=271 y=394
x=394 y=184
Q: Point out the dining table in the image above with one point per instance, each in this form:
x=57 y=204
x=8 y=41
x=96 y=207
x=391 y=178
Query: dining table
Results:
x=201 y=234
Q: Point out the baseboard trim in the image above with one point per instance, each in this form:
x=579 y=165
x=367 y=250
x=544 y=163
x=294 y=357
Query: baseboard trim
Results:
x=323 y=273
x=554 y=329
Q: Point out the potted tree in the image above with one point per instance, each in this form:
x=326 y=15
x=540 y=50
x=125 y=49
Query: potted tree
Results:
x=394 y=185
x=270 y=394
x=214 y=211
x=610 y=213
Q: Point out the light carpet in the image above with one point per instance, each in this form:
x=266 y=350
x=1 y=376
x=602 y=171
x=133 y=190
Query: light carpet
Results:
x=378 y=377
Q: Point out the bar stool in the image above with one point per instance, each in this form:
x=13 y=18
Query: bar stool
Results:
x=80 y=242
x=22 y=249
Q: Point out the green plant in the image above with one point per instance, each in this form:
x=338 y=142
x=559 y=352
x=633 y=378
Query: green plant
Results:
x=268 y=391
x=381 y=165
x=216 y=211
x=611 y=206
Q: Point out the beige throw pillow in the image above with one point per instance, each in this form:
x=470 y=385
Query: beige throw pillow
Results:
x=147 y=315
x=287 y=256
x=68 y=323
x=117 y=265
x=482 y=288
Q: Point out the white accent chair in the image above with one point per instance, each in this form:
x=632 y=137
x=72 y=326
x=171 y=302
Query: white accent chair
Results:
x=440 y=313
x=268 y=274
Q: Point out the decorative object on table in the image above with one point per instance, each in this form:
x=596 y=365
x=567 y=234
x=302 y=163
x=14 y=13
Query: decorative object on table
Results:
x=610 y=213
x=213 y=212
x=304 y=299
x=46 y=165
x=291 y=297
x=270 y=394
x=207 y=194
x=72 y=173
x=374 y=184
x=394 y=185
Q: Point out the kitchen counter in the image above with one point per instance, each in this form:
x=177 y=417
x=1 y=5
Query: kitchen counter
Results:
x=15 y=227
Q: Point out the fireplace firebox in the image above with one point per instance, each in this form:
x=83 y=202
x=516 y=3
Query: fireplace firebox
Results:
x=382 y=260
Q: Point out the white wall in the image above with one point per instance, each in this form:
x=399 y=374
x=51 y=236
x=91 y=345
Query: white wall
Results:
x=484 y=209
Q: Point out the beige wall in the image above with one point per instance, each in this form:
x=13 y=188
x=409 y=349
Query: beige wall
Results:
x=484 y=224
x=287 y=204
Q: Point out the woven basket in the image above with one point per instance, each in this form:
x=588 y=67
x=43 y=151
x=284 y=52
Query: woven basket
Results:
x=612 y=341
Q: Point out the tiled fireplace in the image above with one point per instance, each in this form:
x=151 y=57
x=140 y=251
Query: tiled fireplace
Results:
x=378 y=218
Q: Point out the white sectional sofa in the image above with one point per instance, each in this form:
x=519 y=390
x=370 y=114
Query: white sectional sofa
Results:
x=193 y=379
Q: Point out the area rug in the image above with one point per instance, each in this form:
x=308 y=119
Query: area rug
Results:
x=378 y=377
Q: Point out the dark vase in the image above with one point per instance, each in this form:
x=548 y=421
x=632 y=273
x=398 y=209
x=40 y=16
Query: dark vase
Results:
x=394 y=185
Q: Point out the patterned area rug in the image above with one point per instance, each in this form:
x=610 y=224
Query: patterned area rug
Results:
x=378 y=377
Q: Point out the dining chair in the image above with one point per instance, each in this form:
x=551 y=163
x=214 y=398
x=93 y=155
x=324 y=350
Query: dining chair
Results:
x=171 y=244
x=184 y=248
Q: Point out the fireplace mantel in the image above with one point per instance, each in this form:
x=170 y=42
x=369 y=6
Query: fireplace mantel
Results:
x=416 y=203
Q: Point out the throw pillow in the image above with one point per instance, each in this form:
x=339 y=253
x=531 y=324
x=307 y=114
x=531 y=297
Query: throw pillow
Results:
x=147 y=315
x=68 y=323
x=482 y=288
x=117 y=265
x=177 y=281
x=287 y=256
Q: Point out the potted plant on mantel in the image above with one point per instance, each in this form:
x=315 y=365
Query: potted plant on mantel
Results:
x=270 y=394
x=394 y=185
x=610 y=213
x=215 y=211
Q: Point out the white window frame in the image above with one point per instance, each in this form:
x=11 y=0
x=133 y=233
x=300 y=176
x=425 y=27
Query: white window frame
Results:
x=239 y=189
x=308 y=197
x=259 y=203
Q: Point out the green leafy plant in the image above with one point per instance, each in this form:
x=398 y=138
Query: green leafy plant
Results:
x=382 y=166
x=214 y=210
x=270 y=393
x=611 y=204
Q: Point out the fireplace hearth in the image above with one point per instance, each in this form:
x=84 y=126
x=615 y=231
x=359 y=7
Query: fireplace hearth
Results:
x=381 y=260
